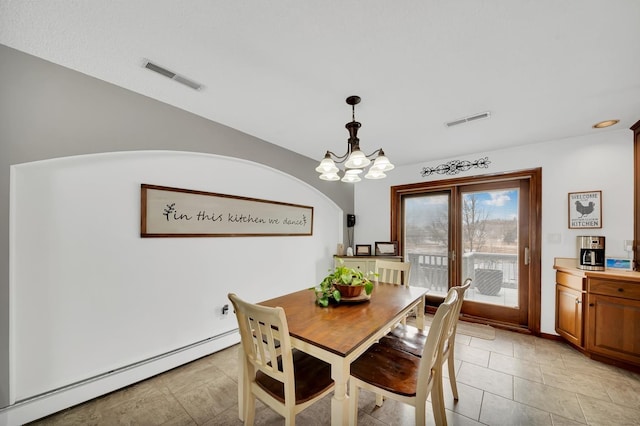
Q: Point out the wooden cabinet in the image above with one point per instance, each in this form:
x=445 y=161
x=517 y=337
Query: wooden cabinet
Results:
x=599 y=312
x=613 y=326
x=570 y=307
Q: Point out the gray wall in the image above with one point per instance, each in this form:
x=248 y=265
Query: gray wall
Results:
x=48 y=111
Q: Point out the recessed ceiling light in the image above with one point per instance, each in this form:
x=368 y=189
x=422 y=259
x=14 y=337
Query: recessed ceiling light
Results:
x=606 y=123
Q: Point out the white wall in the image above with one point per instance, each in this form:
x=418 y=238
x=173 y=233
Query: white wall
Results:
x=88 y=295
x=600 y=161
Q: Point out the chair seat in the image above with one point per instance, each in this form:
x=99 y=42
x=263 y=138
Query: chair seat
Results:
x=406 y=338
x=388 y=368
x=313 y=377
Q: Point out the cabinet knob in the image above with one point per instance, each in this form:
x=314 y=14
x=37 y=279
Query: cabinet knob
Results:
x=592 y=304
x=621 y=290
x=578 y=301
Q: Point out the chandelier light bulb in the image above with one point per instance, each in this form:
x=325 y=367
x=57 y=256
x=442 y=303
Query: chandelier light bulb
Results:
x=375 y=174
x=330 y=176
x=327 y=166
x=357 y=160
x=382 y=163
x=351 y=176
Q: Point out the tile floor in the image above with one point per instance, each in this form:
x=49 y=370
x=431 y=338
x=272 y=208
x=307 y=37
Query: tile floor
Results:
x=512 y=380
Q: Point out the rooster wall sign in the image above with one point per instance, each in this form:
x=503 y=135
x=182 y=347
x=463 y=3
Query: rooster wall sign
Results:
x=585 y=209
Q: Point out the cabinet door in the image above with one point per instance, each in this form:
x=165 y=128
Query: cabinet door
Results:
x=354 y=263
x=614 y=327
x=569 y=308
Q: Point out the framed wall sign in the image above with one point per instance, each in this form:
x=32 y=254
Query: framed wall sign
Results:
x=386 y=248
x=585 y=210
x=175 y=212
x=363 y=250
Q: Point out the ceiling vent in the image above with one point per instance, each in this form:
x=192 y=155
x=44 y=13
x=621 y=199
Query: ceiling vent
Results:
x=172 y=75
x=474 y=117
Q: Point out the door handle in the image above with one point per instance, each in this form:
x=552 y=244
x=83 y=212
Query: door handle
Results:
x=527 y=258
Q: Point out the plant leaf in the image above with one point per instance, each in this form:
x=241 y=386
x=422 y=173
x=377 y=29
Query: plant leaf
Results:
x=368 y=287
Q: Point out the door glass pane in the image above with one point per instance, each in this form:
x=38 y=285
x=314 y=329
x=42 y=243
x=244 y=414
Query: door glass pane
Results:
x=426 y=241
x=490 y=246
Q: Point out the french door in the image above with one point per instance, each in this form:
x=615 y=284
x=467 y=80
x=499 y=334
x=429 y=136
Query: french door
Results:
x=480 y=228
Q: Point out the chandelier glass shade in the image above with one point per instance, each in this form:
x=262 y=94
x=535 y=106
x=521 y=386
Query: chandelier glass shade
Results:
x=355 y=161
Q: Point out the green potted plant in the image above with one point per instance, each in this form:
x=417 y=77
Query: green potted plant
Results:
x=342 y=282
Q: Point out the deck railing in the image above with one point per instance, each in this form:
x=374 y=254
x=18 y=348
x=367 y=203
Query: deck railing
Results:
x=431 y=270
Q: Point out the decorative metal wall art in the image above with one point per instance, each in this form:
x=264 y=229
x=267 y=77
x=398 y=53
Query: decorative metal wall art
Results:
x=454 y=167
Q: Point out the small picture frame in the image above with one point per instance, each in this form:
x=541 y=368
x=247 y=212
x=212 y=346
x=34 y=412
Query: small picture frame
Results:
x=585 y=210
x=363 y=249
x=386 y=248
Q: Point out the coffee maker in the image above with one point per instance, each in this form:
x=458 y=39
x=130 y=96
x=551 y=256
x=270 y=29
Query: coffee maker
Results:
x=591 y=253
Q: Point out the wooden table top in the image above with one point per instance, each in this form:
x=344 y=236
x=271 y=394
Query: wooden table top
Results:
x=342 y=327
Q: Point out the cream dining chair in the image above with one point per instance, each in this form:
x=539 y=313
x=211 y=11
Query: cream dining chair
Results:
x=398 y=375
x=285 y=379
x=393 y=272
x=411 y=340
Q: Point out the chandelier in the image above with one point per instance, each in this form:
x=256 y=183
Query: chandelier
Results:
x=355 y=161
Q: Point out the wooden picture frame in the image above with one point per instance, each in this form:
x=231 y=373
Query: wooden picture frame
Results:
x=363 y=249
x=386 y=248
x=585 y=210
x=176 y=212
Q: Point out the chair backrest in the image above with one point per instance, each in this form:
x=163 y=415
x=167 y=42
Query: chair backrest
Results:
x=393 y=272
x=264 y=334
x=457 y=294
x=432 y=351
x=456 y=310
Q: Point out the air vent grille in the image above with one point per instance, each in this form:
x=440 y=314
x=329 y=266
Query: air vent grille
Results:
x=474 y=117
x=172 y=75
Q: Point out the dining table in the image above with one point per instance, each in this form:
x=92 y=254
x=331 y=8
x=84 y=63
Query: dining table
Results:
x=339 y=333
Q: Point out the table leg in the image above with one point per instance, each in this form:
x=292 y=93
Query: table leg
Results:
x=420 y=314
x=340 y=401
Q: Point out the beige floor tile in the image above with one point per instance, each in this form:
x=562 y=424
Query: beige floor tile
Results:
x=472 y=355
x=500 y=344
x=486 y=379
x=598 y=412
x=562 y=421
x=501 y=411
x=469 y=401
x=529 y=370
x=553 y=400
x=152 y=408
x=625 y=391
x=575 y=381
x=209 y=400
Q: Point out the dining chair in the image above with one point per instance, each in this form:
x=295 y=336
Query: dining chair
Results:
x=393 y=272
x=398 y=375
x=285 y=379
x=412 y=340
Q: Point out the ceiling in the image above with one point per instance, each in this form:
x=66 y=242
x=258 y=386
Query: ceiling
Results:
x=281 y=70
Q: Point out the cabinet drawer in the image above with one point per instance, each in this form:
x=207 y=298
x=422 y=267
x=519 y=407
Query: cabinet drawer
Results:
x=571 y=281
x=612 y=288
